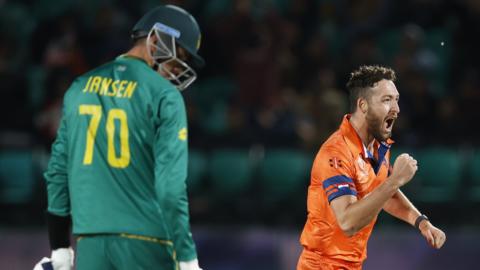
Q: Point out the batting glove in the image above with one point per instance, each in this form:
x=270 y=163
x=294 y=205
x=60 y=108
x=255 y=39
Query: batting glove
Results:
x=61 y=259
x=190 y=265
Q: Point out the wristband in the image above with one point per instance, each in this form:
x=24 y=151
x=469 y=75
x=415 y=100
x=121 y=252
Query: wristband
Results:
x=58 y=231
x=419 y=219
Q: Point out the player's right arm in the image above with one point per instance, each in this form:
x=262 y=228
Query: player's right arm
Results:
x=353 y=214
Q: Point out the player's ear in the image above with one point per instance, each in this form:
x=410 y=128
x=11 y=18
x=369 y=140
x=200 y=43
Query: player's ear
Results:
x=362 y=104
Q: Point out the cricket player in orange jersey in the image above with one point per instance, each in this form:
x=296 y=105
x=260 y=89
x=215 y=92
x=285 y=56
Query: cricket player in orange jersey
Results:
x=352 y=180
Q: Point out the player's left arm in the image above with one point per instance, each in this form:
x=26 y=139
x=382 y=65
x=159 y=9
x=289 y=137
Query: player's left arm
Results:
x=58 y=211
x=400 y=207
x=171 y=161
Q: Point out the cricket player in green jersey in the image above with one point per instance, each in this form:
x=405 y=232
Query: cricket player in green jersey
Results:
x=117 y=171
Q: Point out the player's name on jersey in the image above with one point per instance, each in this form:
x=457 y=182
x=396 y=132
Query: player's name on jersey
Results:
x=105 y=86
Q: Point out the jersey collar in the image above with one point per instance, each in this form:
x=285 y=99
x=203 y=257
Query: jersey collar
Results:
x=126 y=56
x=353 y=140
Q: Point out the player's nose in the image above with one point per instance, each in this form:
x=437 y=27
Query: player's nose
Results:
x=177 y=70
x=395 y=108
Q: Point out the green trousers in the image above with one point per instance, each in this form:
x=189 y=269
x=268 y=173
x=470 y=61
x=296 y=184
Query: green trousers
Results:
x=124 y=251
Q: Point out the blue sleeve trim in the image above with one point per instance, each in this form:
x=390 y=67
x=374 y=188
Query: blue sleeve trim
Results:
x=337 y=186
x=339 y=179
x=341 y=192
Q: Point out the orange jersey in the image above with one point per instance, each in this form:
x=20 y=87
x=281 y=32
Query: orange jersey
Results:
x=343 y=166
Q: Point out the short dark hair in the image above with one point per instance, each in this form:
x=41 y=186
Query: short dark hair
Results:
x=365 y=77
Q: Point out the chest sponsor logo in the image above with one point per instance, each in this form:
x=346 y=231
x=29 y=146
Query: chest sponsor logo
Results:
x=363 y=170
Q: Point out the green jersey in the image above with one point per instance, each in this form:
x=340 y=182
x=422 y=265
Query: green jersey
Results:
x=119 y=162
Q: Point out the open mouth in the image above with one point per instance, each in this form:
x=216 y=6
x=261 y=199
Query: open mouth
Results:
x=389 y=123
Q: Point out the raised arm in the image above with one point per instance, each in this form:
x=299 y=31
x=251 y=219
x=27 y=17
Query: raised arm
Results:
x=353 y=214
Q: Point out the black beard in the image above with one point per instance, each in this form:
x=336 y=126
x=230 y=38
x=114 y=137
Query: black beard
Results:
x=374 y=127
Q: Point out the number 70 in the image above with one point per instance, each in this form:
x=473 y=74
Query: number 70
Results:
x=96 y=112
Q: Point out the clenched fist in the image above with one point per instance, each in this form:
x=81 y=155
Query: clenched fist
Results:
x=434 y=236
x=403 y=170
